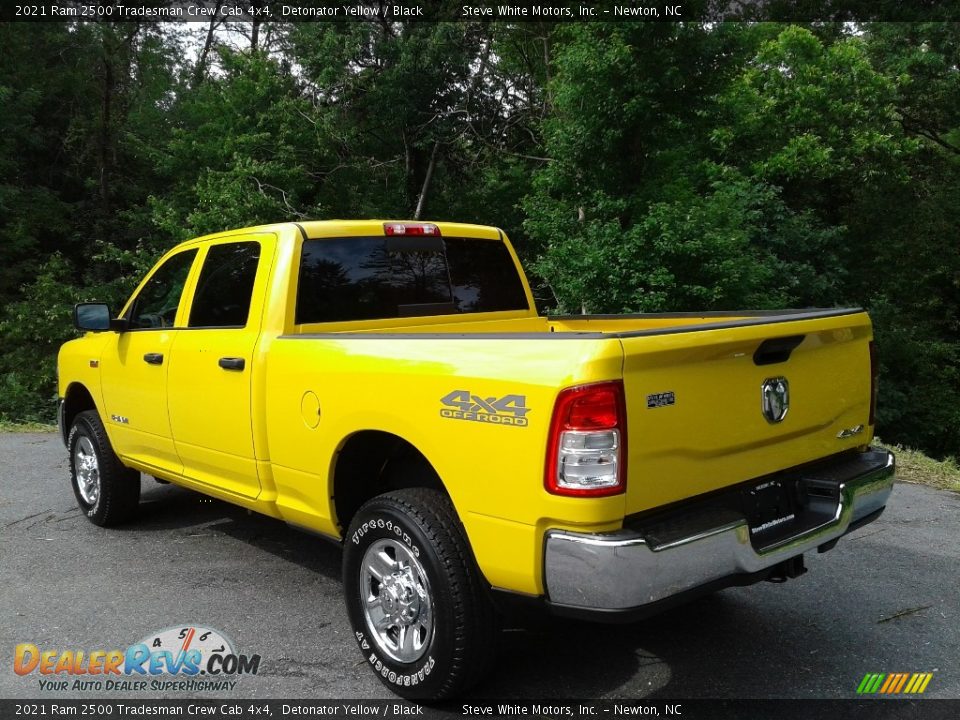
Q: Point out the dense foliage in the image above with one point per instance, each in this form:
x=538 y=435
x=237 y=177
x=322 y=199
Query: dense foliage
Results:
x=638 y=167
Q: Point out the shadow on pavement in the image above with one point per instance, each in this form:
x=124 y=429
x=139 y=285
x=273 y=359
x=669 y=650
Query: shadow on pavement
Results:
x=169 y=507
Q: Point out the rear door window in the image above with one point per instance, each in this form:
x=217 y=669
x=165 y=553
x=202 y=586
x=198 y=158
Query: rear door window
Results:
x=225 y=286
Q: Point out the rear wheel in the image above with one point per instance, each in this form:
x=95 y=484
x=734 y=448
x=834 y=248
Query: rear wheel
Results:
x=419 y=608
x=106 y=491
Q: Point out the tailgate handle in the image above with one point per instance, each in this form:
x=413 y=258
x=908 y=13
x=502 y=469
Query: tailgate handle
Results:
x=776 y=350
x=153 y=358
x=232 y=363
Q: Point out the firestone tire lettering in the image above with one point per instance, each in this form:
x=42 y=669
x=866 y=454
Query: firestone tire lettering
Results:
x=461 y=645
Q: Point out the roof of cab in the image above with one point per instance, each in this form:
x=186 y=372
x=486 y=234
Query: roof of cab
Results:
x=348 y=228
x=316 y=229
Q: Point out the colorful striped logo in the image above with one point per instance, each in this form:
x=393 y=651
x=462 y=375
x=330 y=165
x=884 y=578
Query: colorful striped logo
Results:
x=894 y=683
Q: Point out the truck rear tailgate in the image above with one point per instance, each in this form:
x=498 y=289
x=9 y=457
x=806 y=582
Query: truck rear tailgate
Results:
x=695 y=413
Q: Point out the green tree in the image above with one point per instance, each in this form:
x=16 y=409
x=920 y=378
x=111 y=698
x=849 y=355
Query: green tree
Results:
x=637 y=210
x=638 y=166
x=240 y=152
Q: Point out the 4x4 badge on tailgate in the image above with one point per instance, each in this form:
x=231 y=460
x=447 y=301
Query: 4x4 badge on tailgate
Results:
x=775 y=399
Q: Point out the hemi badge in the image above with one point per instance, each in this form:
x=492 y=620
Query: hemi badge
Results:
x=849 y=432
x=94 y=363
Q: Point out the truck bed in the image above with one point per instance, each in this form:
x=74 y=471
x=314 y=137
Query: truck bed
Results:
x=692 y=382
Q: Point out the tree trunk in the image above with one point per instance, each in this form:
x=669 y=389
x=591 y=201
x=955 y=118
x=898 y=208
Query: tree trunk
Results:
x=546 y=69
x=103 y=140
x=255 y=29
x=409 y=169
x=582 y=218
x=200 y=70
x=426 y=181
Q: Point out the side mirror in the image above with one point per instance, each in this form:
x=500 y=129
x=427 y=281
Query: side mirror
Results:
x=94 y=317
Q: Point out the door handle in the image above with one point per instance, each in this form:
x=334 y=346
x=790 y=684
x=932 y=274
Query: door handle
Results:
x=232 y=363
x=153 y=358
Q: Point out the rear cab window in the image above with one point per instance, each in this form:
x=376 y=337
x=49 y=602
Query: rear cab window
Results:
x=376 y=278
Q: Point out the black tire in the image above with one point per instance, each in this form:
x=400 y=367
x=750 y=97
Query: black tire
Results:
x=116 y=494
x=461 y=641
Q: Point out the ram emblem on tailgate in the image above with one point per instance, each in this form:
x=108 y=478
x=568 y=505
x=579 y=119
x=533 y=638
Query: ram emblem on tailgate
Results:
x=775 y=399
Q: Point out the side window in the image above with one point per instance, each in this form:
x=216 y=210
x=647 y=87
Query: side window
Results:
x=225 y=286
x=156 y=304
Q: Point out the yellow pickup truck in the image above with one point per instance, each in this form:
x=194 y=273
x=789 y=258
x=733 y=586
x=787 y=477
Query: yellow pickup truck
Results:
x=391 y=385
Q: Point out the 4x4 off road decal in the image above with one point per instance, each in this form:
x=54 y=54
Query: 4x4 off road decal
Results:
x=508 y=410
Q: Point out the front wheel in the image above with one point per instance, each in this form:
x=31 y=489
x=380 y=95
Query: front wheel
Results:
x=418 y=606
x=106 y=491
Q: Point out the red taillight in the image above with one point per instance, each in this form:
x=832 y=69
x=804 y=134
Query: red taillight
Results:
x=594 y=409
x=586 y=454
x=874 y=373
x=411 y=229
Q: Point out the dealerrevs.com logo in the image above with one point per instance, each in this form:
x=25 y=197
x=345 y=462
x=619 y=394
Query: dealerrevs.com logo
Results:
x=187 y=658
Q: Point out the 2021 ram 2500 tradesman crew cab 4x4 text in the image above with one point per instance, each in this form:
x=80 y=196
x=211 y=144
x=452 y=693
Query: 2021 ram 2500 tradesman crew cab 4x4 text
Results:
x=391 y=385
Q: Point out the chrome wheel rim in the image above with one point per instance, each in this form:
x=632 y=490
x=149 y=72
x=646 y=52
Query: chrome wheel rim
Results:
x=87 y=471
x=396 y=600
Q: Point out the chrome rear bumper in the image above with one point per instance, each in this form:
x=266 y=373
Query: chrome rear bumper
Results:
x=632 y=568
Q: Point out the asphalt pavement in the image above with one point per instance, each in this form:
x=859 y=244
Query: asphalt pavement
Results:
x=886 y=599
